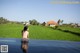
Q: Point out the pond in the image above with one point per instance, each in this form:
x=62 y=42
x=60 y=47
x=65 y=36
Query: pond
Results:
x=41 y=46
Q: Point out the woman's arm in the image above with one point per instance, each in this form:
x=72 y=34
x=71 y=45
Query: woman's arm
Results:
x=28 y=35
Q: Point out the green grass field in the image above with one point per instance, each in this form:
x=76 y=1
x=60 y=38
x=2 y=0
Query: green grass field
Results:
x=77 y=30
x=38 y=32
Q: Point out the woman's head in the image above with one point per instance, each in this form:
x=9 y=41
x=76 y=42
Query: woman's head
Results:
x=25 y=28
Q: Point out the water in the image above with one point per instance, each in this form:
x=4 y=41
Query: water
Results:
x=41 y=46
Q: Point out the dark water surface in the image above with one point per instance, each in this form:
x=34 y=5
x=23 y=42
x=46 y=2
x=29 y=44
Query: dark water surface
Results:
x=41 y=46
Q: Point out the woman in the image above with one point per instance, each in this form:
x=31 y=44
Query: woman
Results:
x=25 y=35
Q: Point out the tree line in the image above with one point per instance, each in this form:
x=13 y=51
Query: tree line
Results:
x=3 y=20
x=32 y=22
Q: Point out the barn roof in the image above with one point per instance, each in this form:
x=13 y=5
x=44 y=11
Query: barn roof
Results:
x=51 y=22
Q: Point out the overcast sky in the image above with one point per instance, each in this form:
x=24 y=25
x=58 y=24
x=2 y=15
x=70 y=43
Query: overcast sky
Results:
x=41 y=10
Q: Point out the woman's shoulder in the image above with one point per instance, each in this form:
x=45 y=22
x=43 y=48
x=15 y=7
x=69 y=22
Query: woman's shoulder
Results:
x=26 y=31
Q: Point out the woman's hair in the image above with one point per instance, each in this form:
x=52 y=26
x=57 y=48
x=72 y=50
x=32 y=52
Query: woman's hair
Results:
x=25 y=28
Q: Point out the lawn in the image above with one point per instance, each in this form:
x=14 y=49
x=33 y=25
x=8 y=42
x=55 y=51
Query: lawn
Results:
x=10 y=30
x=37 y=32
x=77 y=30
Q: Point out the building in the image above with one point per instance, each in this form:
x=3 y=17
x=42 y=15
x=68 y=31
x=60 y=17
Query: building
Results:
x=51 y=23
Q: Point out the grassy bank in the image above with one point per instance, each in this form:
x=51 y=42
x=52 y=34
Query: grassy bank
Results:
x=37 y=32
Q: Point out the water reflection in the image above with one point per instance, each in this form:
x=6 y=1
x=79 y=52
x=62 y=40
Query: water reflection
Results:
x=24 y=46
x=40 y=46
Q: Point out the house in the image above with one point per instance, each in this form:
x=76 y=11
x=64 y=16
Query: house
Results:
x=75 y=25
x=26 y=24
x=51 y=23
x=78 y=25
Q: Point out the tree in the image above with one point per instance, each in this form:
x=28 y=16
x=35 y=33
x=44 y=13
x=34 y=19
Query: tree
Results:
x=30 y=21
x=43 y=23
x=34 y=22
x=60 y=22
x=3 y=20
